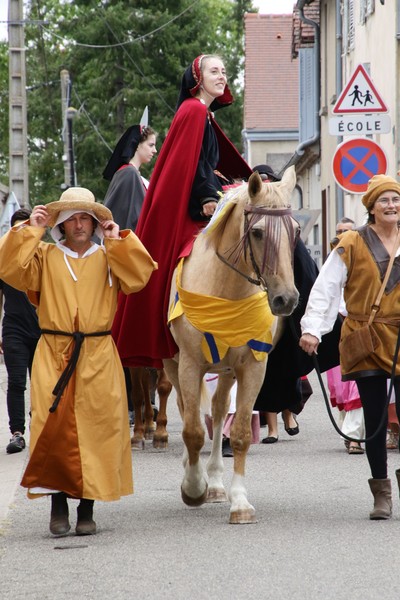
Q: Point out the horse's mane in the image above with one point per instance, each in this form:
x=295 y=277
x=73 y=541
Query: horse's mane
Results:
x=215 y=228
x=272 y=195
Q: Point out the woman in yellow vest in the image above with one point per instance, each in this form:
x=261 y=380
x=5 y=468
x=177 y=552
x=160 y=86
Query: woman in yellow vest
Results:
x=358 y=265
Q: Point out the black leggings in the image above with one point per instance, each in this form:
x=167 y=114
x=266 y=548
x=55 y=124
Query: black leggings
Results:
x=373 y=393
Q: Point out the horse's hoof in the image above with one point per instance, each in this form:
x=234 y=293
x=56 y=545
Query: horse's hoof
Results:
x=137 y=444
x=160 y=444
x=189 y=501
x=216 y=495
x=149 y=435
x=243 y=517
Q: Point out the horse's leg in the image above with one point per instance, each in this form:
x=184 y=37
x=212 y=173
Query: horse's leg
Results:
x=249 y=381
x=194 y=484
x=148 y=410
x=171 y=371
x=215 y=465
x=137 y=440
x=164 y=387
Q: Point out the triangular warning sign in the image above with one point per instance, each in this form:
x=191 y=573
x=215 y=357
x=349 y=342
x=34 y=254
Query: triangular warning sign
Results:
x=359 y=96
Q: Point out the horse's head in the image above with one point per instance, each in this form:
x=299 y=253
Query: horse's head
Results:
x=254 y=233
x=269 y=238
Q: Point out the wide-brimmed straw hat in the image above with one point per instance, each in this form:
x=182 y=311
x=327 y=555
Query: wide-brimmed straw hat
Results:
x=79 y=199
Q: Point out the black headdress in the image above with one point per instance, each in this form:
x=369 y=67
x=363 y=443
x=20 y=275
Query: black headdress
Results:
x=124 y=150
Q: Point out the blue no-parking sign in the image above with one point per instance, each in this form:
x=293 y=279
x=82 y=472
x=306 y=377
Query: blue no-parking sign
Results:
x=355 y=162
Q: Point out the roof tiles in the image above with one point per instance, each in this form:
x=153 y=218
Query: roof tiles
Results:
x=271 y=75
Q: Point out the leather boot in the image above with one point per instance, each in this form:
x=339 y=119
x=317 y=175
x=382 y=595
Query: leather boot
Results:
x=397 y=472
x=59 y=523
x=382 y=491
x=398 y=477
x=85 y=524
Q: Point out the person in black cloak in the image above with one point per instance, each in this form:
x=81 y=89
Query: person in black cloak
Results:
x=270 y=418
x=125 y=194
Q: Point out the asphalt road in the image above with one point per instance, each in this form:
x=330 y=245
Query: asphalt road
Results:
x=313 y=538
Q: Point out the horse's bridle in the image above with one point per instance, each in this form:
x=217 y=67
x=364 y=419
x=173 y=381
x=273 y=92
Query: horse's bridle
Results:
x=264 y=211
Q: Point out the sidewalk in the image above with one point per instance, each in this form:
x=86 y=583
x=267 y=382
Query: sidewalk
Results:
x=11 y=465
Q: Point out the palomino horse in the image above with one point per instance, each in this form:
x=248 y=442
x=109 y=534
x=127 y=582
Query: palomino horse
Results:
x=224 y=326
x=144 y=427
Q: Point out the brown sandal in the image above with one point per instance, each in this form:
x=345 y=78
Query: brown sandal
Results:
x=392 y=441
x=355 y=449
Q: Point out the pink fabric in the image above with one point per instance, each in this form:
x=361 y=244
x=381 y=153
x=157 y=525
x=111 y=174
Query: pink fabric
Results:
x=211 y=383
x=343 y=394
x=255 y=426
x=392 y=416
x=209 y=425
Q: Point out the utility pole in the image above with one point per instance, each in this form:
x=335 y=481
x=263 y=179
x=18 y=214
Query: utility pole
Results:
x=68 y=114
x=18 y=128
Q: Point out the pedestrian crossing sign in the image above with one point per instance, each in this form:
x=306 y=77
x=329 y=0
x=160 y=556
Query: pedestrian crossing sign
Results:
x=359 y=96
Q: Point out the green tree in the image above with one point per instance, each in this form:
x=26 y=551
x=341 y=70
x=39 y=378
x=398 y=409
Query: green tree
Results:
x=121 y=55
x=45 y=57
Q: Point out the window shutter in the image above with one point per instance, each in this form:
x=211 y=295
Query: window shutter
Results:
x=351 y=25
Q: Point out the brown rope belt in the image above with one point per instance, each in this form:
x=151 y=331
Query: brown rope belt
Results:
x=363 y=318
x=78 y=337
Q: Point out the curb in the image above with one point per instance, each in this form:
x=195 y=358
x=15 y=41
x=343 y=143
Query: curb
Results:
x=11 y=465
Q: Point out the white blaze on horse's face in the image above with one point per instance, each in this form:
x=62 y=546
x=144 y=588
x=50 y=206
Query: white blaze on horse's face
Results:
x=271 y=239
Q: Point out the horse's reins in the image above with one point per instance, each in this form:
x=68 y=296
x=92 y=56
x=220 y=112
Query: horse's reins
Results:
x=259 y=281
x=250 y=209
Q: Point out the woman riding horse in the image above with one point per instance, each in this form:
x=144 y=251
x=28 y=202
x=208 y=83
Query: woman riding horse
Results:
x=183 y=194
x=238 y=275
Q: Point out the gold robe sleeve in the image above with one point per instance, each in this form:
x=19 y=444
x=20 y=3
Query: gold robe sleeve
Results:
x=129 y=261
x=20 y=257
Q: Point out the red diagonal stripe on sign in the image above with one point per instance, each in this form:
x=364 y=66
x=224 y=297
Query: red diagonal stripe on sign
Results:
x=359 y=165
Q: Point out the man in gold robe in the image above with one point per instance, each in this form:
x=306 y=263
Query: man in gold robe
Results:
x=80 y=439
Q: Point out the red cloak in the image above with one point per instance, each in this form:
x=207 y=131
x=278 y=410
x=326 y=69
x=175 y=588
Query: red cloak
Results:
x=165 y=228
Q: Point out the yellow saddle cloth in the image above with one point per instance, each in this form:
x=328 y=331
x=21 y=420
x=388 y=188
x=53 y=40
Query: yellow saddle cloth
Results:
x=225 y=323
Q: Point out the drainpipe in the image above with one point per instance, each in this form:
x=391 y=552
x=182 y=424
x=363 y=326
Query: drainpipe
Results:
x=300 y=150
x=398 y=20
x=339 y=80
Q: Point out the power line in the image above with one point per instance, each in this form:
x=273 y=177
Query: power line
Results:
x=140 y=71
x=95 y=128
x=120 y=44
x=27 y=22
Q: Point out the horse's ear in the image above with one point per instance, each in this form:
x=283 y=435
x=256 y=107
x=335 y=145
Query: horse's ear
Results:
x=289 y=178
x=255 y=185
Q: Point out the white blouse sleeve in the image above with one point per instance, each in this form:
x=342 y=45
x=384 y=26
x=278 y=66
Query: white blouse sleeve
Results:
x=325 y=297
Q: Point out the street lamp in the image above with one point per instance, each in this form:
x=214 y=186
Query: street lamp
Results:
x=71 y=114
